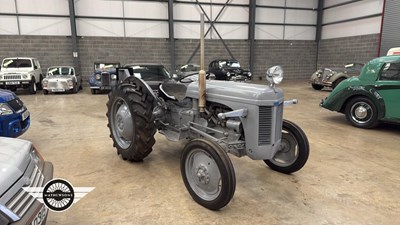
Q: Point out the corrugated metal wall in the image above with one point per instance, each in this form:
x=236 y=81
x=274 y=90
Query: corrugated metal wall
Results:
x=391 y=26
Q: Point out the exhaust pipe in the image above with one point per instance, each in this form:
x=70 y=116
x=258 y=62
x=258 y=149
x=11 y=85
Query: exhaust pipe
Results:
x=202 y=73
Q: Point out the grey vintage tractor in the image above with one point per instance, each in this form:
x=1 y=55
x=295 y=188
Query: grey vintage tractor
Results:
x=217 y=117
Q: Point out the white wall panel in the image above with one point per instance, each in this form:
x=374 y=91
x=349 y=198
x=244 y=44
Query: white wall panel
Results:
x=302 y=3
x=8 y=25
x=231 y=31
x=188 y=12
x=146 y=29
x=271 y=2
x=57 y=7
x=266 y=15
x=188 y=30
x=223 y=1
x=359 y=27
x=353 y=10
x=92 y=27
x=7 y=6
x=267 y=32
x=98 y=8
x=233 y=14
x=153 y=10
x=299 y=33
x=301 y=17
x=333 y=2
x=44 y=26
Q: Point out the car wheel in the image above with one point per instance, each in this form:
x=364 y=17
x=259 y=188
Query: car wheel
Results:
x=93 y=91
x=130 y=120
x=39 y=86
x=294 y=151
x=336 y=82
x=361 y=112
x=32 y=86
x=317 y=86
x=45 y=92
x=75 y=90
x=208 y=174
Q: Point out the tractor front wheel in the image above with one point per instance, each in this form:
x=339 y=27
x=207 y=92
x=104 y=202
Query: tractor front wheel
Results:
x=130 y=120
x=208 y=174
x=294 y=150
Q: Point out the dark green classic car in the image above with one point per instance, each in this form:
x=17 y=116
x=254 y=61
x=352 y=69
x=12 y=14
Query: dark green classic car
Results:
x=372 y=97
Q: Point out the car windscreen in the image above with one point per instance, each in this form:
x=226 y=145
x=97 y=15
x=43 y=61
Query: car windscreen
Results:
x=53 y=71
x=150 y=73
x=105 y=66
x=16 y=63
x=233 y=64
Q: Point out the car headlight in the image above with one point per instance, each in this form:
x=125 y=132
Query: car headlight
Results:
x=1 y=77
x=228 y=74
x=70 y=83
x=24 y=76
x=5 y=109
x=97 y=76
x=35 y=154
x=113 y=76
x=249 y=74
x=45 y=82
x=275 y=75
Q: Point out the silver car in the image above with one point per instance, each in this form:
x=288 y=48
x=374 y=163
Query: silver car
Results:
x=21 y=165
x=61 y=79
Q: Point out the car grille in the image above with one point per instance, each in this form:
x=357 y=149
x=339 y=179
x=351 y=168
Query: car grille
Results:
x=21 y=202
x=155 y=92
x=325 y=75
x=270 y=119
x=16 y=104
x=57 y=85
x=264 y=125
x=105 y=79
x=12 y=77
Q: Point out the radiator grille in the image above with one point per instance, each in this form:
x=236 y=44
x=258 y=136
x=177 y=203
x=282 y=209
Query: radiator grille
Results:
x=21 y=202
x=12 y=77
x=105 y=79
x=264 y=125
x=57 y=85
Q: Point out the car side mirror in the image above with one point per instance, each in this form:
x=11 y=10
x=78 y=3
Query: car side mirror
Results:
x=35 y=67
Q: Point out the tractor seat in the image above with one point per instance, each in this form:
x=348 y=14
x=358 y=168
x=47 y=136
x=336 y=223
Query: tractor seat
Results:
x=175 y=91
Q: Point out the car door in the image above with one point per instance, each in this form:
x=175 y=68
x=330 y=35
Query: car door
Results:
x=388 y=86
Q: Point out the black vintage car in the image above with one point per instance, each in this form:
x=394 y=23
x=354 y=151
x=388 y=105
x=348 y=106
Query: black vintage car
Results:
x=228 y=69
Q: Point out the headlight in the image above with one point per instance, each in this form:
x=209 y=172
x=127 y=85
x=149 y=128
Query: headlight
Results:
x=24 y=76
x=45 y=82
x=70 y=83
x=36 y=156
x=228 y=74
x=5 y=109
x=113 y=76
x=1 y=77
x=275 y=75
x=249 y=74
x=97 y=76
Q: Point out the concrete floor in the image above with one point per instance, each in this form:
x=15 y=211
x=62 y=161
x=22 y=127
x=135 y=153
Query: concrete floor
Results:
x=351 y=177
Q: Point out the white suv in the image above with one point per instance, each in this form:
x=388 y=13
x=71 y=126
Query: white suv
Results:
x=21 y=72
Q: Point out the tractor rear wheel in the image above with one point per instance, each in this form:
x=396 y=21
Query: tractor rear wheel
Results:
x=130 y=120
x=208 y=174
